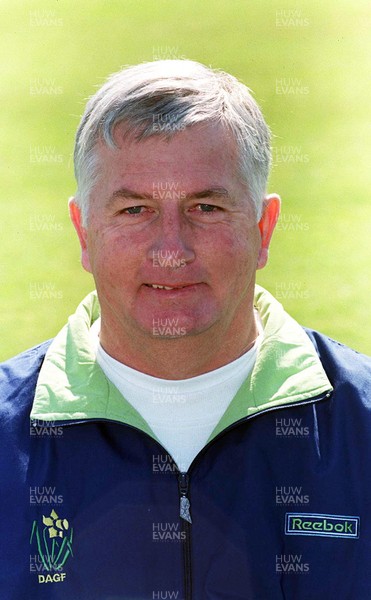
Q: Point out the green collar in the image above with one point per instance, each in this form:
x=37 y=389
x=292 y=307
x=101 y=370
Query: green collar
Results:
x=287 y=369
x=72 y=386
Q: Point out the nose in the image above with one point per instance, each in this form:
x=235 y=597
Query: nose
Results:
x=172 y=246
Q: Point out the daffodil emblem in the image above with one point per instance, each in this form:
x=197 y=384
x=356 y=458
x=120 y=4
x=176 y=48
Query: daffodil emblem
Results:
x=56 y=526
x=54 y=541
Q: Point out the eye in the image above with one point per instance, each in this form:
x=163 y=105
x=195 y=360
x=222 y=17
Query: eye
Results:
x=204 y=212
x=207 y=208
x=133 y=210
x=137 y=210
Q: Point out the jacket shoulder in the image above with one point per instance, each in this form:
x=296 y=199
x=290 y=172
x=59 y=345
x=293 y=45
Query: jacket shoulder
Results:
x=18 y=377
x=340 y=362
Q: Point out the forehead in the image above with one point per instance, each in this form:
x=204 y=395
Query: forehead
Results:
x=194 y=155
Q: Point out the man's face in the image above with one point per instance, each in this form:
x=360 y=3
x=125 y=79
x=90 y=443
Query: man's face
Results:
x=171 y=213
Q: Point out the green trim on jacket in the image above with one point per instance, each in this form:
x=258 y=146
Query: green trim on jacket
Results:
x=72 y=386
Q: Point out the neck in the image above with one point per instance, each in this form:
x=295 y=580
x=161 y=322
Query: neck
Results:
x=183 y=357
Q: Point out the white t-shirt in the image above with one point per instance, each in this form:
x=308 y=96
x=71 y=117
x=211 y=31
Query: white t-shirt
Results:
x=182 y=413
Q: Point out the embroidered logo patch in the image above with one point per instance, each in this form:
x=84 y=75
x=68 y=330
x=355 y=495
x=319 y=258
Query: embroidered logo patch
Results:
x=325 y=525
x=53 y=540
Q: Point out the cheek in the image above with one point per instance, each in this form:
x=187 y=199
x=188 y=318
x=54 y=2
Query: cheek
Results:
x=112 y=261
x=112 y=247
x=232 y=254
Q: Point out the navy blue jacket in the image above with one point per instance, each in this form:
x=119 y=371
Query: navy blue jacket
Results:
x=280 y=502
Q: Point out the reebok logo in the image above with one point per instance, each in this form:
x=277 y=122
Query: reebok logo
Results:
x=323 y=525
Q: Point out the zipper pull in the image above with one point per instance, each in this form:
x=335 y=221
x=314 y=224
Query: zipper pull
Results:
x=185 y=504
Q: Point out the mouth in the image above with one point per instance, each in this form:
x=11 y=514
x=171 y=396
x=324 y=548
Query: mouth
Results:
x=160 y=286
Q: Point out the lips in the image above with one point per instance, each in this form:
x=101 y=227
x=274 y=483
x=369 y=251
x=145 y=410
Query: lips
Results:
x=161 y=286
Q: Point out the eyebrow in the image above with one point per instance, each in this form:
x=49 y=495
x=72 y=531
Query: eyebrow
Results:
x=126 y=193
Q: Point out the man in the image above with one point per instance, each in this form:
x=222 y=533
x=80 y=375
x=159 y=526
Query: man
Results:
x=188 y=438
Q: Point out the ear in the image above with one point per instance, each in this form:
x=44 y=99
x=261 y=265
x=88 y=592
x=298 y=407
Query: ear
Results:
x=76 y=218
x=267 y=223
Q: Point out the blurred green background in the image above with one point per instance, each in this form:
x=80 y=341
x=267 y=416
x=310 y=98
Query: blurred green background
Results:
x=308 y=64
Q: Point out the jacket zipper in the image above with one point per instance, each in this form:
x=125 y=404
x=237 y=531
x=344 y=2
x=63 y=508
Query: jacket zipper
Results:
x=185 y=505
x=186 y=520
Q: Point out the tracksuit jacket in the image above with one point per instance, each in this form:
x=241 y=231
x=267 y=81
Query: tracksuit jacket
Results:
x=276 y=505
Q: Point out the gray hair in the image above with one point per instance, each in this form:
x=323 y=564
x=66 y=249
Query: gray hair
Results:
x=162 y=98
